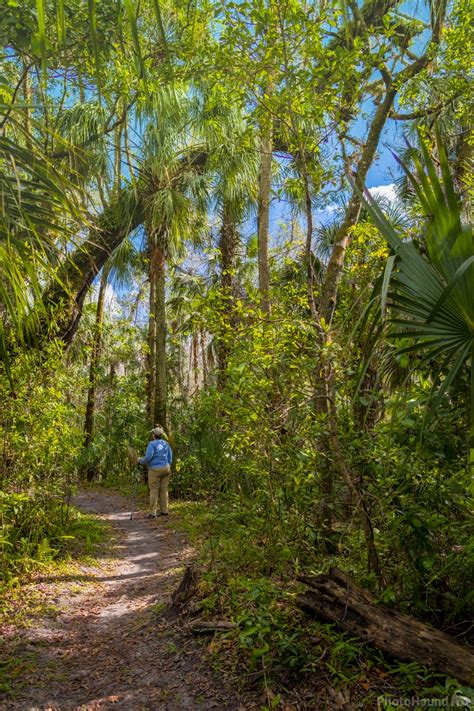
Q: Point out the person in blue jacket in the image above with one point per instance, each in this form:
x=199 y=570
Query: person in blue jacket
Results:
x=158 y=458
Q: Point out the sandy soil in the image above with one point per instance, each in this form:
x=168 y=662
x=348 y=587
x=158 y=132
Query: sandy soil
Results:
x=105 y=645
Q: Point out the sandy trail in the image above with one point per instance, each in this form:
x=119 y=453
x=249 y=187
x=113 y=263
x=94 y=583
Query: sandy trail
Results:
x=105 y=646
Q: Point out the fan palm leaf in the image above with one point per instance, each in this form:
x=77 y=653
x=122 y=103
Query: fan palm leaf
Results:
x=430 y=294
x=35 y=199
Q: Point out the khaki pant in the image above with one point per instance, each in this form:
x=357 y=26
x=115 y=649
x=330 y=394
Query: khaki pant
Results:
x=158 y=480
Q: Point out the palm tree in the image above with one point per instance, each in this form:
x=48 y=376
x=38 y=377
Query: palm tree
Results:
x=428 y=287
x=36 y=198
x=173 y=192
x=234 y=168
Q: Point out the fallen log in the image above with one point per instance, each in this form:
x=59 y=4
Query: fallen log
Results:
x=210 y=626
x=335 y=598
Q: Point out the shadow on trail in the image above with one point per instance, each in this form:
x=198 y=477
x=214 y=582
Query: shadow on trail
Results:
x=106 y=644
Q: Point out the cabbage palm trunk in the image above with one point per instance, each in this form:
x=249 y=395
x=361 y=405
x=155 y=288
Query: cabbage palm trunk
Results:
x=156 y=357
x=151 y=353
x=160 y=409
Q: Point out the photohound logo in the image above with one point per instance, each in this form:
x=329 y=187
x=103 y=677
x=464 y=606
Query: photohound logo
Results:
x=455 y=701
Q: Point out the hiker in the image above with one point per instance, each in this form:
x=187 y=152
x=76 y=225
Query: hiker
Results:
x=158 y=458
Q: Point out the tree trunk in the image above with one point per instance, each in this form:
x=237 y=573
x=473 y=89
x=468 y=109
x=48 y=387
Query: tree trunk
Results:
x=308 y=246
x=228 y=247
x=325 y=386
x=77 y=273
x=151 y=354
x=195 y=347
x=357 y=494
x=181 y=368
x=343 y=236
x=160 y=415
x=28 y=99
x=96 y=354
x=334 y=598
x=263 y=219
x=342 y=240
x=202 y=336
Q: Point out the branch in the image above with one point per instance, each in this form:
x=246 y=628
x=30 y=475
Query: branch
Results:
x=422 y=62
x=421 y=113
x=15 y=92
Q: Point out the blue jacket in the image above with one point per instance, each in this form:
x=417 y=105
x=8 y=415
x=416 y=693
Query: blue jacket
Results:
x=158 y=454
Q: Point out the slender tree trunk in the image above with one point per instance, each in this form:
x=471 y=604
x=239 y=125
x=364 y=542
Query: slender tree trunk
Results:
x=180 y=368
x=263 y=219
x=308 y=247
x=343 y=236
x=188 y=370
x=329 y=440
x=228 y=247
x=96 y=354
x=117 y=159
x=160 y=415
x=202 y=336
x=195 y=347
x=28 y=99
x=347 y=476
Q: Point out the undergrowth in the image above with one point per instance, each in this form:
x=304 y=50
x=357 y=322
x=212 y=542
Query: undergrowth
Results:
x=39 y=544
x=36 y=547
x=36 y=530
x=274 y=643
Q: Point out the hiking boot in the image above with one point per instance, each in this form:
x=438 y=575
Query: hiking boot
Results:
x=164 y=514
x=151 y=516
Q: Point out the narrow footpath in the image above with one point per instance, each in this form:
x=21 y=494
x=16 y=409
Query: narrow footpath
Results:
x=104 y=645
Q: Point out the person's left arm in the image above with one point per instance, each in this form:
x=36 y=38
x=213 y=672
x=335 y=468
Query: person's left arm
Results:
x=170 y=455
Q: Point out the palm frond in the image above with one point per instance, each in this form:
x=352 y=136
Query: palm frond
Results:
x=429 y=295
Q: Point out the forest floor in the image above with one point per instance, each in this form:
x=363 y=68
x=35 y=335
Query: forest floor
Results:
x=102 y=642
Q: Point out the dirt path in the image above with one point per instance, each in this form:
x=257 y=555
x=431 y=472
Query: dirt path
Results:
x=106 y=646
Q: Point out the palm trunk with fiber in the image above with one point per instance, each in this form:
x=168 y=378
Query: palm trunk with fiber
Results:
x=160 y=415
x=151 y=354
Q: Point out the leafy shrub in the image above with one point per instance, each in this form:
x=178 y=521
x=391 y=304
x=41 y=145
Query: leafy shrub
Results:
x=39 y=528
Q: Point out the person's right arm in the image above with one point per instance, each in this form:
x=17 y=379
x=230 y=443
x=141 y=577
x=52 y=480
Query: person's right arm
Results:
x=148 y=454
